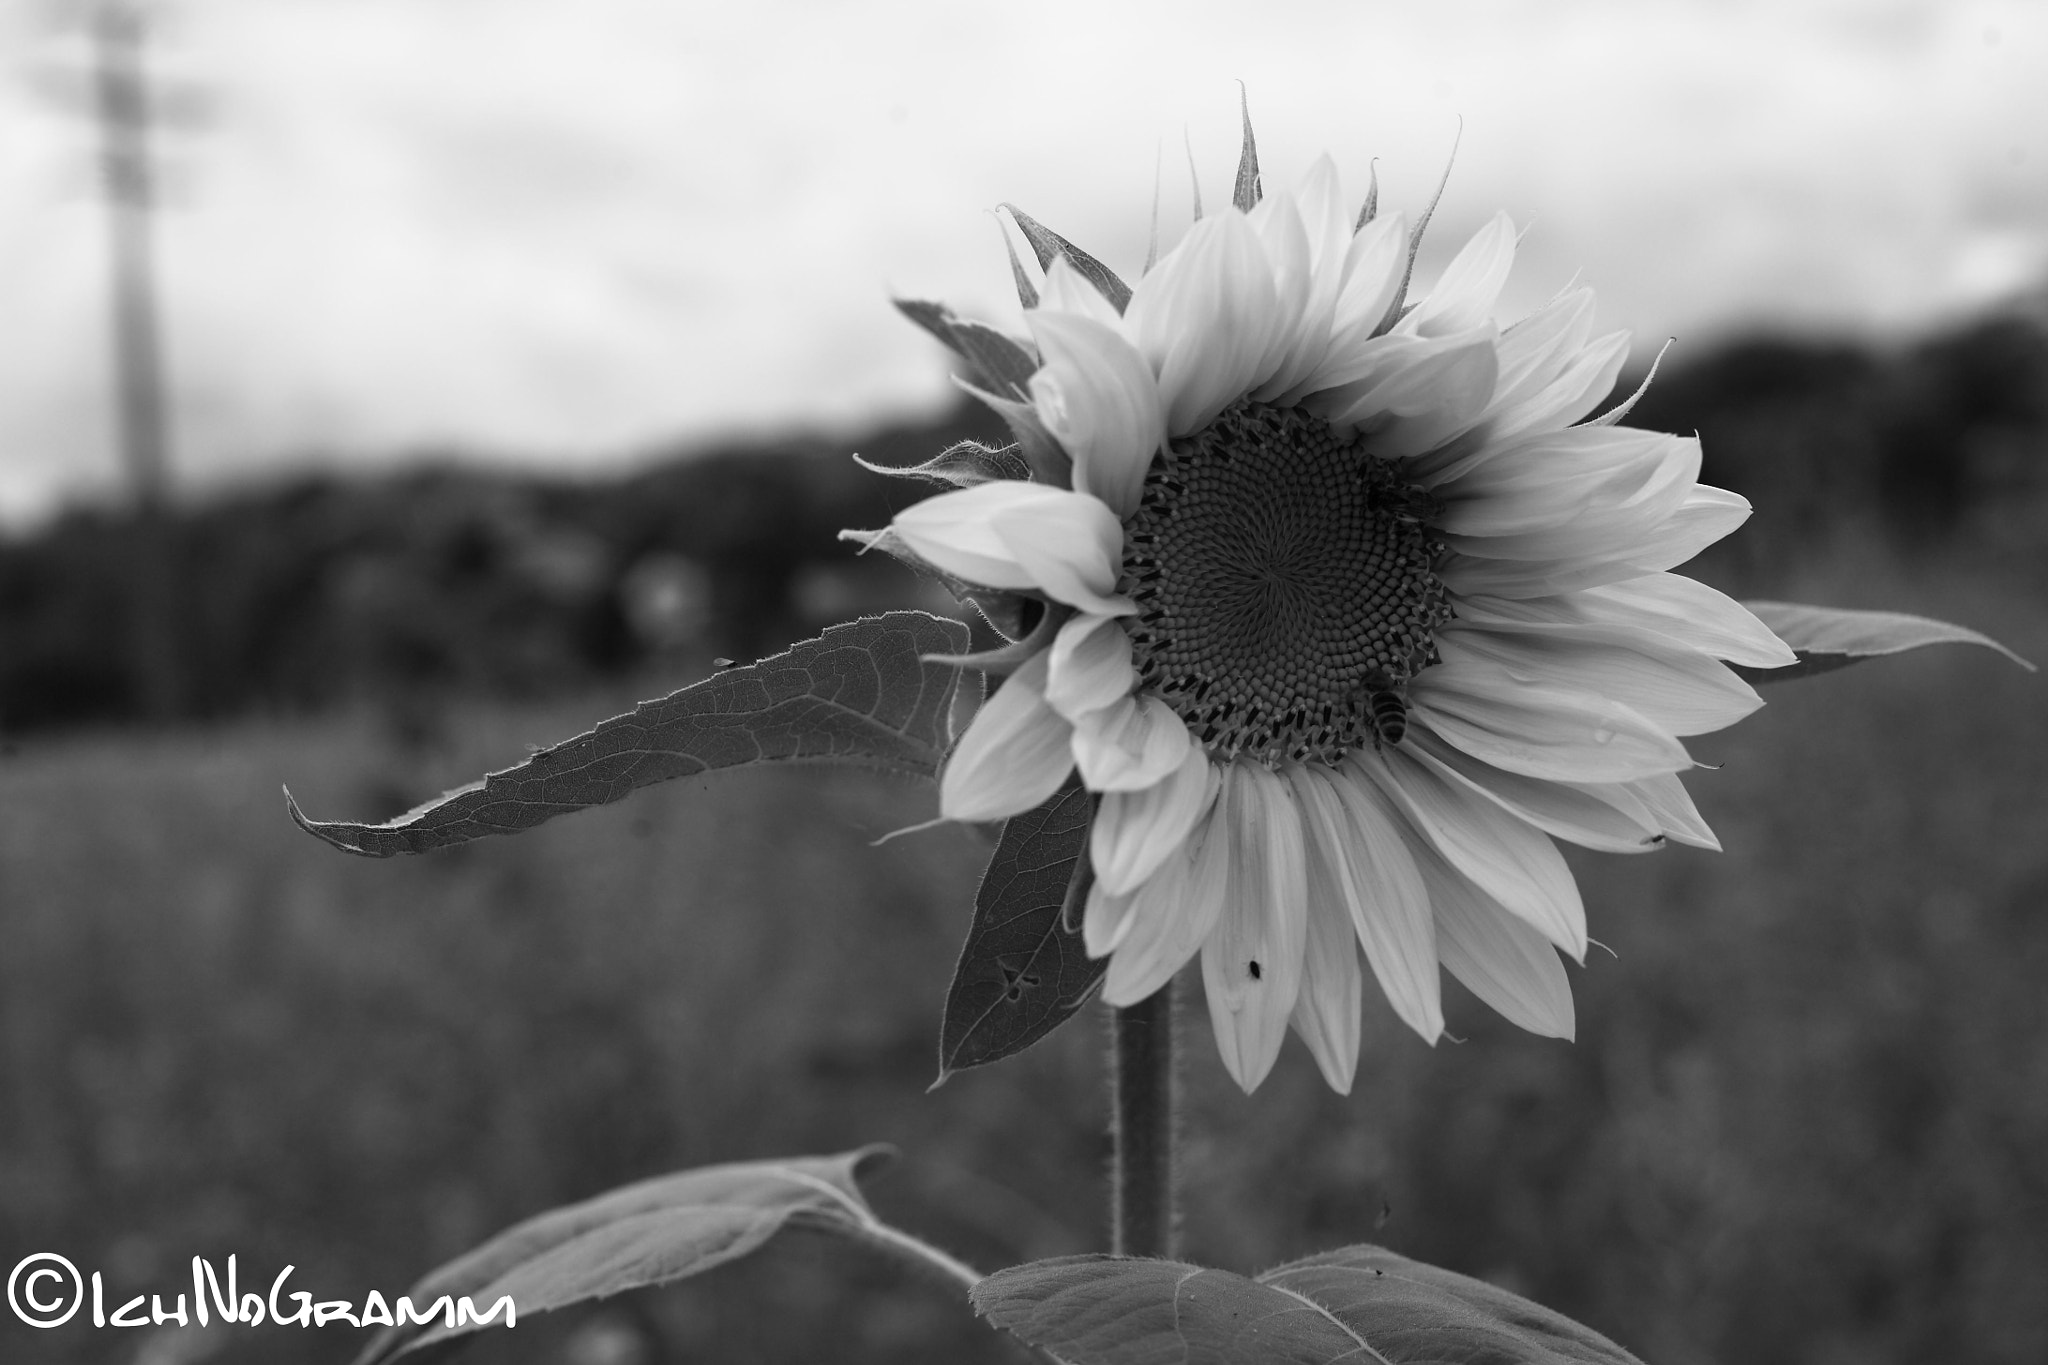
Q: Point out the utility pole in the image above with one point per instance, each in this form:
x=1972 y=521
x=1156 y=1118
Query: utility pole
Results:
x=125 y=111
x=122 y=98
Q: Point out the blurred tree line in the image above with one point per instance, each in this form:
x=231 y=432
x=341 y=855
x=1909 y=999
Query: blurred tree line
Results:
x=453 y=581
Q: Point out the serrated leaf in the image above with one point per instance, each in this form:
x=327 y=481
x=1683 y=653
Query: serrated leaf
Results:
x=1245 y=193
x=1021 y=974
x=1048 y=244
x=1355 y=1305
x=654 y=1232
x=861 y=693
x=1827 y=638
x=963 y=464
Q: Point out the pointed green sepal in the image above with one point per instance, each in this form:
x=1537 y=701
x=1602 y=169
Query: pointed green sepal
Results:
x=1246 y=191
x=1049 y=245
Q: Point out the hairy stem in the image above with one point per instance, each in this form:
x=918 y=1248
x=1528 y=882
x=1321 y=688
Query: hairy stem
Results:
x=1142 y=1085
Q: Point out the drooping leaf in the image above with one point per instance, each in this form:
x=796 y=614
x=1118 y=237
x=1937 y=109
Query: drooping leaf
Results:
x=960 y=465
x=1245 y=193
x=996 y=361
x=1357 y=1305
x=1049 y=244
x=1827 y=638
x=1021 y=974
x=654 y=1232
x=861 y=693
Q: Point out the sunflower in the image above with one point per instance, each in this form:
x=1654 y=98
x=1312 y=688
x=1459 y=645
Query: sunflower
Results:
x=1348 y=614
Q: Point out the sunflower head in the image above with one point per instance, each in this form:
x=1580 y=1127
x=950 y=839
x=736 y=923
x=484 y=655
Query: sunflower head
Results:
x=1348 y=612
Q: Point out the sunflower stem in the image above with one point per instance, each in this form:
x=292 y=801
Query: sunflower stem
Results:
x=1142 y=1085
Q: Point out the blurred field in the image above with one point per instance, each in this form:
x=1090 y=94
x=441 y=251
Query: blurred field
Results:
x=1805 y=1120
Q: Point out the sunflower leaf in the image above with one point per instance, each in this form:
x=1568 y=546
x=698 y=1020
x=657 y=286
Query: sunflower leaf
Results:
x=1356 y=1304
x=1021 y=974
x=653 y=1232
x=1827 y=638
x=1048 y=244
x=861 y=693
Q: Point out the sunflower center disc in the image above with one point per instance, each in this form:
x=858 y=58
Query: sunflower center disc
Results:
x=1284 y=580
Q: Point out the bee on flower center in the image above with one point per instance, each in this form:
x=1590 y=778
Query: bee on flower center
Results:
x=1389 y=713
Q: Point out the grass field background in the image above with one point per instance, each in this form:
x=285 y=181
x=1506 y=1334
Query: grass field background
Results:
x=1804 y=1120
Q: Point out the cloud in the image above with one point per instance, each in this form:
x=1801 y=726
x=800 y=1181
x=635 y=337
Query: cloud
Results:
x=569 y=231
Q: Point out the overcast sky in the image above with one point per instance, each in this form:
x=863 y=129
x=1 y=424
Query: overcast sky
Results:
x=566 y=231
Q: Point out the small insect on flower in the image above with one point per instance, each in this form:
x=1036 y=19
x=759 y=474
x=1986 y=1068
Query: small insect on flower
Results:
x=1389 y=712
x=1350 y=613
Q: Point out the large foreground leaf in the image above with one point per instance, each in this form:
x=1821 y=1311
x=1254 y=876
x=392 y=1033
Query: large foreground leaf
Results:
x=1827 y=638
x=654 y=1232
x=861 y=693
x=1021 y=973
x=1360 y=1305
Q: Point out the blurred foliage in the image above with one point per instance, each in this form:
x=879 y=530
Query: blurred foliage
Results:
x=456 y=583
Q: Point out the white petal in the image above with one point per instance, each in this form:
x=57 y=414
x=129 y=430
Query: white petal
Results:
x=1511 y=861
x=1135 y=831
x=1305 y=237
x=1470 y=285
x=1011 y=534
x=1426 y=383
x=1090 y=666
x=1251 y=963
x=1567 y=735
x=1014 y=755
x=1130 y=744
x=1706 y=515
x=1558 y=809
x=1669 y=801
x=1097 y=396
x=1105 y=921
x=1568 y=397
x=1499 y=957
x=1373 y=266
x=1067 y=290
x=1535 y=350
x=1328 y=236
x=1356 y=844
x=1326 y=1013
x=1666 y=605
x=1676 y=688
x=1689 y=611
x=1703 y=516
x=1172 y=913
x=1565 y=493
x=1206 y=318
